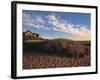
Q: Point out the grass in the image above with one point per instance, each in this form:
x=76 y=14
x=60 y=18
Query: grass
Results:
x=55 y=53
x=48 y=61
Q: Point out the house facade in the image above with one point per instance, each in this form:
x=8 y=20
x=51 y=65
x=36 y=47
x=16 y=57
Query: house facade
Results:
x=28 y=35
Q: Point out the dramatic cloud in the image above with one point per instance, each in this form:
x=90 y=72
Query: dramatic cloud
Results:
x=77 y=32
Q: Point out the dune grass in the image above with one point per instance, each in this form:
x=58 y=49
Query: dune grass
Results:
x=55 y=53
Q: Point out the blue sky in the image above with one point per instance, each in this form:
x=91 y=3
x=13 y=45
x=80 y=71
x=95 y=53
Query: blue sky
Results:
x=67 y=25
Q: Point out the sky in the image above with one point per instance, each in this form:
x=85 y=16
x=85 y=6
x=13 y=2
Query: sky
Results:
x=51 y=25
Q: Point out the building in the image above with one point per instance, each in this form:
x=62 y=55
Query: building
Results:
x=28 y=35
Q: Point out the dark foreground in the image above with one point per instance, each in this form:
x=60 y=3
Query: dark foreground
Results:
x=36 y=55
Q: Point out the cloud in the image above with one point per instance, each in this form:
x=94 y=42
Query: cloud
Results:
x=26 y=18
x=33 y=20
x=39 y=19
x=77 y=32
x=36 y=22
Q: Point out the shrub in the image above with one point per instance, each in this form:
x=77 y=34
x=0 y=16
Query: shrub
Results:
x=64 y=47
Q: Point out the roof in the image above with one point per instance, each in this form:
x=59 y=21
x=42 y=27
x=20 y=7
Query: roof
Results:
x=30 y=32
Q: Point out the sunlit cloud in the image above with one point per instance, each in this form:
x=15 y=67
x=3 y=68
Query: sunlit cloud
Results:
x=77 y=32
